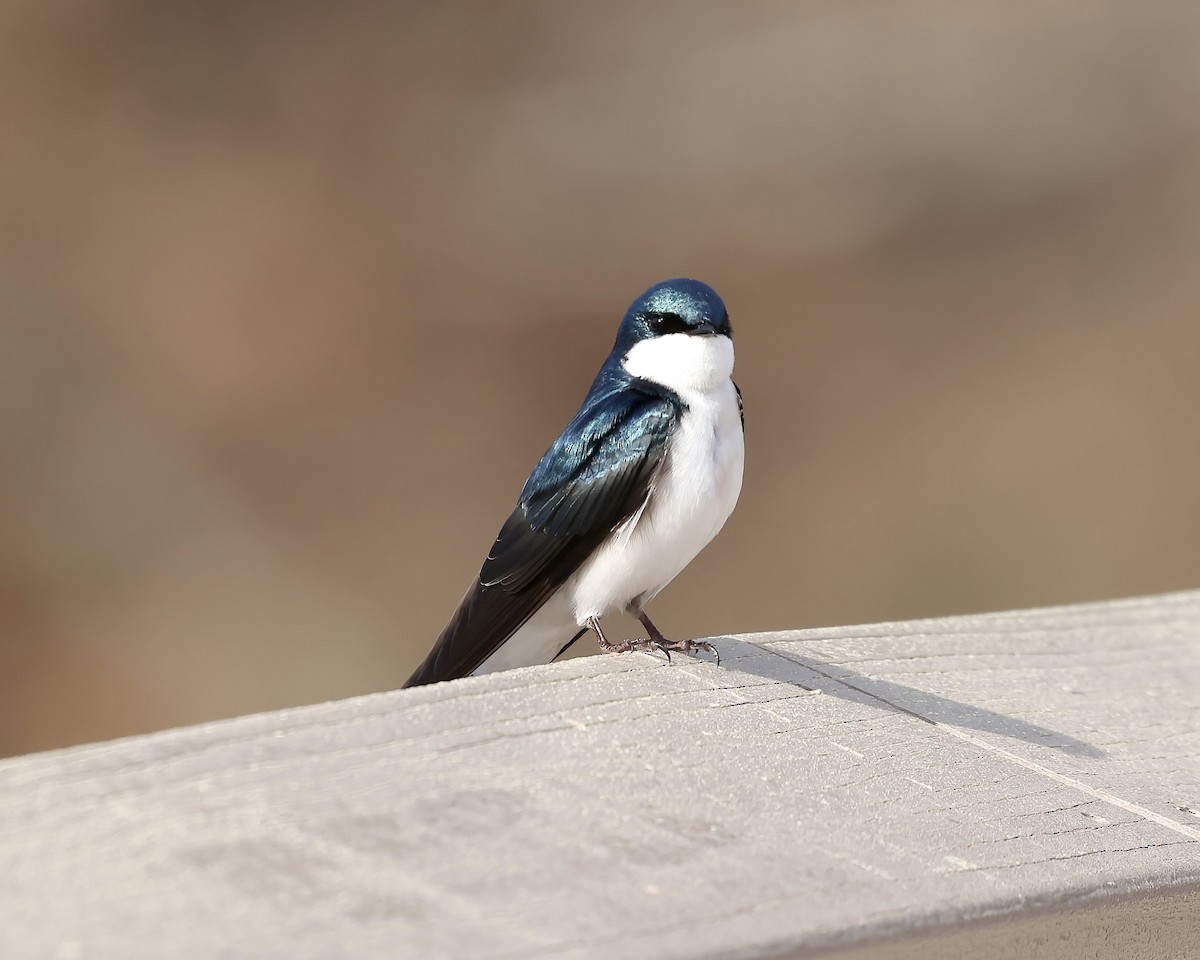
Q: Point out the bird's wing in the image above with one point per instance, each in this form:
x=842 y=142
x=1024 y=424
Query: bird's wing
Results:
x=596 y=475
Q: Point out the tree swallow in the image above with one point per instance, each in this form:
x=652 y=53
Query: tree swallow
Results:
x=638 y=483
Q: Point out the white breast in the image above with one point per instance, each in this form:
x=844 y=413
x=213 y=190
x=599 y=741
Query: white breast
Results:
x=695 y=489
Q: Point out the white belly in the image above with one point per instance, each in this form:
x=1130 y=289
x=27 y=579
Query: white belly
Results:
x=692 y=496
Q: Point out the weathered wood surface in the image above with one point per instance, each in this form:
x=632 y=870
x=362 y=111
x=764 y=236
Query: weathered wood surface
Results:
x=821 y=790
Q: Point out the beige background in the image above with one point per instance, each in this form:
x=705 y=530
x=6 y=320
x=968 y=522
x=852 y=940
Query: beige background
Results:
x=295 y=294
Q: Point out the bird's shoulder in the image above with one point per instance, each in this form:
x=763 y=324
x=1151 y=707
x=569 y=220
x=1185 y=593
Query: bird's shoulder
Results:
x=603 y=458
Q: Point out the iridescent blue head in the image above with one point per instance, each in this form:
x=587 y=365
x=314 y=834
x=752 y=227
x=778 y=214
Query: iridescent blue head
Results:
x=674 y=306
x=676 y=335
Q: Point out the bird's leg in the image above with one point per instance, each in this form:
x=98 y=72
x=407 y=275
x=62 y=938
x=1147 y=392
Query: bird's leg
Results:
x=665 y=645
x=602 y=640
x=625 y=646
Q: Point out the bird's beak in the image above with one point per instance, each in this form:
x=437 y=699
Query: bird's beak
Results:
x=704 y=329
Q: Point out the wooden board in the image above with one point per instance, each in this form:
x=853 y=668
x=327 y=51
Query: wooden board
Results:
x=820 y=791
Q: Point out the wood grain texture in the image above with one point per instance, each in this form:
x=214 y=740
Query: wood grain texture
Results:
x=820 y=791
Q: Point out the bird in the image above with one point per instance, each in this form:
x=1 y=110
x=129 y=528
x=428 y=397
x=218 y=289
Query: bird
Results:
x=638 y=483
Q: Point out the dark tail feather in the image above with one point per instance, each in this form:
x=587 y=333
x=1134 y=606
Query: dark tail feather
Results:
x=567 y=646
x=523 y=569
x=486 y=617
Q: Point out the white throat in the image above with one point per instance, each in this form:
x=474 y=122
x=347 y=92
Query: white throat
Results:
x=680 y=362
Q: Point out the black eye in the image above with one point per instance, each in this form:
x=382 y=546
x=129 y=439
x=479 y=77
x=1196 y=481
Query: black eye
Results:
x=665 y=323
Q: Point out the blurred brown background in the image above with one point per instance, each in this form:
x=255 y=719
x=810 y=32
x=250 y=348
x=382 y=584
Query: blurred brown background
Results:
x=294 y=294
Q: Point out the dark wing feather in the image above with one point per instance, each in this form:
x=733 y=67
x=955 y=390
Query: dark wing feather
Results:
x=595 y=476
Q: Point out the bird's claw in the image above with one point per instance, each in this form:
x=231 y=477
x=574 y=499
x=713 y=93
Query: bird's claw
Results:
x=690 y=647
x=693 y=646
x=628 y=646
x=707 y=648
x=649 y=646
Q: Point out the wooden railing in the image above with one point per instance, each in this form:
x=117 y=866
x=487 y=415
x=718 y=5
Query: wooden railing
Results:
x=1010 y=785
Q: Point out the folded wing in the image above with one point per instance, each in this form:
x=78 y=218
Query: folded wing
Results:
x=596 y=475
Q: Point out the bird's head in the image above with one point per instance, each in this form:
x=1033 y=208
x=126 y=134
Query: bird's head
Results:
x=677 y=334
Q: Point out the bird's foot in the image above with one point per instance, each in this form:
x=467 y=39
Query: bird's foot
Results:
x=687 y=646
x=628 y=646
x=690 y=647
x=656 y=641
